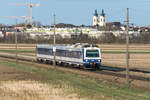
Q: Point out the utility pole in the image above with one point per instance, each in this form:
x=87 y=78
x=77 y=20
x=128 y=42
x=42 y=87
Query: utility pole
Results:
x=127 y=49
x=16 y=42
x=54 y=43
x=31 y=14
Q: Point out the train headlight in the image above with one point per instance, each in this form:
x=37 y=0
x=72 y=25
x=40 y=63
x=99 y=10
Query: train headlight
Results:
x=99 y=60
x=86 y=60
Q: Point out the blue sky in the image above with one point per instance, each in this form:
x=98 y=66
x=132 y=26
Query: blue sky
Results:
x=78 y=11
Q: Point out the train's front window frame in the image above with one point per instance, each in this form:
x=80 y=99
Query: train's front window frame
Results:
x=92 y=53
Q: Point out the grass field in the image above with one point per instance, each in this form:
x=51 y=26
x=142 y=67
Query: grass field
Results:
x=45 y=84
x=112 y=54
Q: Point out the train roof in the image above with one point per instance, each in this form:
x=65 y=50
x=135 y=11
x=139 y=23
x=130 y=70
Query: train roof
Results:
x=62 y=47
x=77 y=47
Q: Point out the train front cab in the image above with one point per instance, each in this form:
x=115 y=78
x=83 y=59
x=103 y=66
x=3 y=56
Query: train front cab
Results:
x=92 y=58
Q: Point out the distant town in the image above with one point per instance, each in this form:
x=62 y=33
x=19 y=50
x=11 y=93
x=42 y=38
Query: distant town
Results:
x=106 y=32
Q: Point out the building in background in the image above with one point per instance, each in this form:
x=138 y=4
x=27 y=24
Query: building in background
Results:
x=95 y=19
x=102 y=19
x=99 y=20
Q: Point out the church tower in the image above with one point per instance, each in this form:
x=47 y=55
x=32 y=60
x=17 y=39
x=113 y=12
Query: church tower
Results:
x=95 y=19
x=102 y=21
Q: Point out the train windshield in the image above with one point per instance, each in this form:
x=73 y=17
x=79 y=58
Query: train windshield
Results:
x=92 y=53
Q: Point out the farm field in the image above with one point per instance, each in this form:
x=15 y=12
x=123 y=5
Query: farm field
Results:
x=112 y=54
x=23 y=81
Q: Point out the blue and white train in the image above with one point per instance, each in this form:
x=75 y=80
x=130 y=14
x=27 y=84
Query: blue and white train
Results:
x=81 y=55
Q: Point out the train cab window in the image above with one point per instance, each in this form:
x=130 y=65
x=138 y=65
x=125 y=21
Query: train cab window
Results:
x=92 y=53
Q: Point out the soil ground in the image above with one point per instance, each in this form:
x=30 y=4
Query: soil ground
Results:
x=7 y=74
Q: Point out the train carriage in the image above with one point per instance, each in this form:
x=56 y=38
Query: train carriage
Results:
x=80 y=55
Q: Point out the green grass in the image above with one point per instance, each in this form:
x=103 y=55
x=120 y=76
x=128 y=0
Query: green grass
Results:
x=19 y=51
x=85 y=87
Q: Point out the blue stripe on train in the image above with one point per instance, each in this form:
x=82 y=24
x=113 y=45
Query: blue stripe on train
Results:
x=73 y=62
x=64 y=61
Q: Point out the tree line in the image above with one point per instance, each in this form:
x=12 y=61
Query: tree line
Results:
x=143 y=38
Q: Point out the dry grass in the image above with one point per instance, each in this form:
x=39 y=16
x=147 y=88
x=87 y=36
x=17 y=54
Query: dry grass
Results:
x=33 y=90
x=139 y=61
x=20 y=45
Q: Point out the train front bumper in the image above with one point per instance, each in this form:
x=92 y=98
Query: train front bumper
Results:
x=92 y=63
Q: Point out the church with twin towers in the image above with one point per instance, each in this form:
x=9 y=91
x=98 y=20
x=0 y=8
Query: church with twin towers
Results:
x=99 y=20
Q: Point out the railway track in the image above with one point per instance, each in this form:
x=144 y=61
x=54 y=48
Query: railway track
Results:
x=104 y=72
x=133 y=77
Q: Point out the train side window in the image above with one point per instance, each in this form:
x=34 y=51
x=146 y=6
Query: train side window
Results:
x=73 y=54
x=63 y=53
x=70 y=53
x=51 y=51
x=46 y=51
x=58 y=52
x=40 y=51
x=76 y=54
x=67 y=53
x=79 y=54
